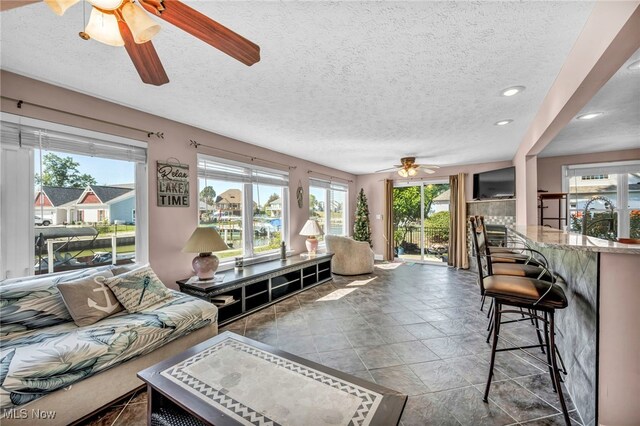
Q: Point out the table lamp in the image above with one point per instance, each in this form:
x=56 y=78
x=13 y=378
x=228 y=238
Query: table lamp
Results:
x=310 y=230
x=205 y=241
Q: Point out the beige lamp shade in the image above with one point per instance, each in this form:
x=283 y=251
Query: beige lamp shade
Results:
x=142 y=26
x=204 y=240
x=311 y=228
x=103 y=27
x=60 y=6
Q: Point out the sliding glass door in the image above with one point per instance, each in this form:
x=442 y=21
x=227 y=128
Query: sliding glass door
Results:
x=421 y=221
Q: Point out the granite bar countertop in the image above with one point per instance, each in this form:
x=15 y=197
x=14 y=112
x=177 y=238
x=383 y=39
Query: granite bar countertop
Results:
x=556 y=238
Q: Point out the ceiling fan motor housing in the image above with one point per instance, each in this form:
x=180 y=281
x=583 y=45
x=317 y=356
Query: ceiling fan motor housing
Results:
x=408 y=161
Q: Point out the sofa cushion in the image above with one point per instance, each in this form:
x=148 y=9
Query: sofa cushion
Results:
x=38 y=362
x=30 y=303
x=88 y=299
x=139 y=289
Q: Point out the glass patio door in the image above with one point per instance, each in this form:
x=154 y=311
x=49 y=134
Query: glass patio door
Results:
x=421 y=221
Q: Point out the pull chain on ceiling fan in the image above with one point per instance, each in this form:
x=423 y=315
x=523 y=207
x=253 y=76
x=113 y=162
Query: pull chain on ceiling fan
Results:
x=124 y=23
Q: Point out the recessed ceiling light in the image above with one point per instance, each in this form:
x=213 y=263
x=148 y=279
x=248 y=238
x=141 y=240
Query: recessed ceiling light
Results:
x=589 y=115
x=503 y=122
x=634 y=66
x=511 y=91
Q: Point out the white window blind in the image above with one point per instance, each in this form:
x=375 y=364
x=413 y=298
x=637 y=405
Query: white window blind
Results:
x=319 y=183
x=31 y=137
x=230 y=171
x=602 y=169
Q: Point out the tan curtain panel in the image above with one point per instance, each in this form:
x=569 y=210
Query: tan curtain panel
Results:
x=458 y=256
x=388 y=220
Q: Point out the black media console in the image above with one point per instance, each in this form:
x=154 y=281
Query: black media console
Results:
x=261 y=284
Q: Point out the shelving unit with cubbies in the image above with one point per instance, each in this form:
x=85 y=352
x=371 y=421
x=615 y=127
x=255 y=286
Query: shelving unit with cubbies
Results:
x=262 y=284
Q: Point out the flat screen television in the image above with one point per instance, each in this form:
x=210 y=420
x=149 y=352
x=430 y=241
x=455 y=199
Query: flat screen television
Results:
x=495 y=184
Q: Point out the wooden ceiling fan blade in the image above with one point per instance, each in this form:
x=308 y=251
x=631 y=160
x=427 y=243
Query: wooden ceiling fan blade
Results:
x=144 y=58
x=205 y=28
x=12 y=4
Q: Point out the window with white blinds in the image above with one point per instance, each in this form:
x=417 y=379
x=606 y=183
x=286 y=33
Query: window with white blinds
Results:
x=328 y=202
x=604 y=199
x=60 y=184
x=246 y=203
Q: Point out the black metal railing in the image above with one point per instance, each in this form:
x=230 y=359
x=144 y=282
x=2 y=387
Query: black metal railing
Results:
x=436 y=240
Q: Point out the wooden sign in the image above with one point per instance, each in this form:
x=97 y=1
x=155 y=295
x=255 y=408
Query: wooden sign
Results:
x=173 y=185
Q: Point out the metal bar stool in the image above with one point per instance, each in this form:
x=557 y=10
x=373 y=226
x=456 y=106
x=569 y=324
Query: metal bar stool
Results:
x=513 y=255
x=509 y=260
x=531 y=297
x=480 y=243
x=530 y=271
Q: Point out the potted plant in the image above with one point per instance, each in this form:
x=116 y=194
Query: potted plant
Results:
x=398 y=236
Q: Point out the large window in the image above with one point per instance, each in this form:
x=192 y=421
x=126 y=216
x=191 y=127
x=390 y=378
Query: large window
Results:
x=69 y=198
x=247 y=204
x=328 y=205
x=604 y=199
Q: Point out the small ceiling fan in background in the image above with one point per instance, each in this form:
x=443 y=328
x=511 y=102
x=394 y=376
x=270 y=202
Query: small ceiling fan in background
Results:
x=124 y=23
x=409 y=167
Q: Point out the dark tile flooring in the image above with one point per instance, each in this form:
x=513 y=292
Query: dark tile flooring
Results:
x=414 y=328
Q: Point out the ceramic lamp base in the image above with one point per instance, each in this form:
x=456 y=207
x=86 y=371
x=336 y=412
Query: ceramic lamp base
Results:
x=312 y=244
x=205 y=265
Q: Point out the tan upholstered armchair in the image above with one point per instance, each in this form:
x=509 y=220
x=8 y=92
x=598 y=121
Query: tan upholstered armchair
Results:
x=351 y=257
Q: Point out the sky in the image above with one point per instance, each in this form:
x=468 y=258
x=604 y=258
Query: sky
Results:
x=105 y=171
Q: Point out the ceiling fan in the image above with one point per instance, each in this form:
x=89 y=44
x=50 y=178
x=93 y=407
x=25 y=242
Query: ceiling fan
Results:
x=409 y=167
x=124 y=23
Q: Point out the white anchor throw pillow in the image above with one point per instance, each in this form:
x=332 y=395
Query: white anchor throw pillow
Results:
x=89 y=299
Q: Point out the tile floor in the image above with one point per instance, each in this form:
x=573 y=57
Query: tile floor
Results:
x=413 y=328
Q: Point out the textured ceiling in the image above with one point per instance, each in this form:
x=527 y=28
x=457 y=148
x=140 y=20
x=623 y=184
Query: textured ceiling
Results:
x=352 y=85
x=618 y=128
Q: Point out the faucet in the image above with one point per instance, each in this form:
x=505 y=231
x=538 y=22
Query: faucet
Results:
x=608 y=204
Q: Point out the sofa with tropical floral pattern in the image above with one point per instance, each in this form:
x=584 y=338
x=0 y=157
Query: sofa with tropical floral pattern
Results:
x=45 y=357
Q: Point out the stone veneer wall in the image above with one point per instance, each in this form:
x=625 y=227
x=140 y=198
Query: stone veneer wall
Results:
x=577 y=325
x=495 y=212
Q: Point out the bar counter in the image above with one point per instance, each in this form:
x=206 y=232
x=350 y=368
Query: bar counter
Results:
x=599 y=332
x=544 y=236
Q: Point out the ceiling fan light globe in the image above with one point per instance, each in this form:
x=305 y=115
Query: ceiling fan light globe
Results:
x=60 y=6
x=403 y=173
x=107 y=4
x=142 y=26
x=412 y=171
x=103 y=27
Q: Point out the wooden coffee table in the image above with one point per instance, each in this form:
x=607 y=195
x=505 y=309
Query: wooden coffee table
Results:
x=233 y=380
